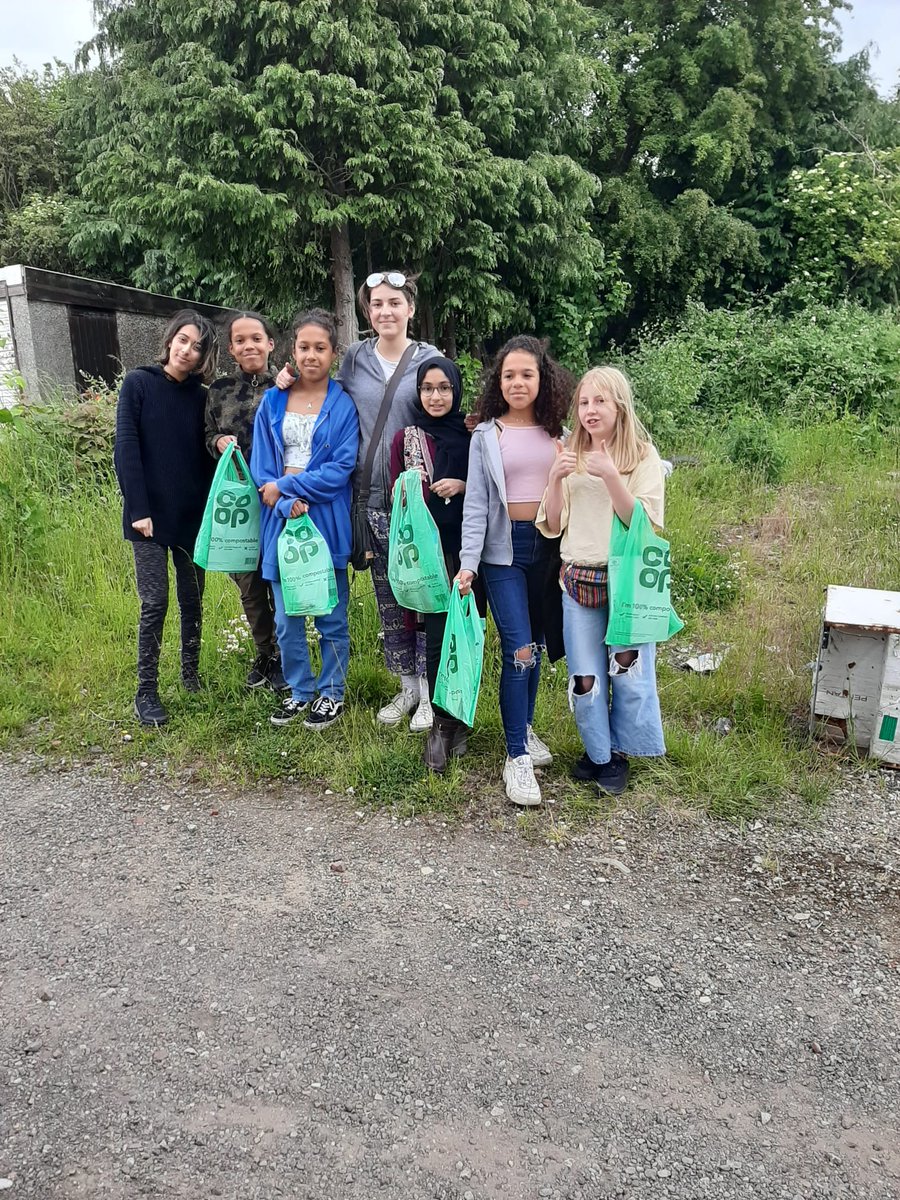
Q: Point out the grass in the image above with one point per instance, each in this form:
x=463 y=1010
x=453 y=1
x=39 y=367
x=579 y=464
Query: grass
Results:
x=68 y=621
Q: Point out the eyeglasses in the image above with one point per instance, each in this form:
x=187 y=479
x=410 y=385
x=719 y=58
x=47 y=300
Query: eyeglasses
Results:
x=440 y=389
x=395 y=278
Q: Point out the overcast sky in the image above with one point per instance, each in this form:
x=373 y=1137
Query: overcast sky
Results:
x=37 y=31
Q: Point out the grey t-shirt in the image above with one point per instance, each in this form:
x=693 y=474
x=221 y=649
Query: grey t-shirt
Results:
x=362 y=376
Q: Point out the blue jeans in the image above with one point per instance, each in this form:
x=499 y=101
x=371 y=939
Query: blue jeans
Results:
x=334 y=632
x=621 y=711
x=514 y=593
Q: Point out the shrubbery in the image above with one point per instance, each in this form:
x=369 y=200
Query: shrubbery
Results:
x=809 y=366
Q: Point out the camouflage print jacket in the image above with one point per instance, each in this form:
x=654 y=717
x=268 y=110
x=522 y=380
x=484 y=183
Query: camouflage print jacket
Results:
x=231 y=406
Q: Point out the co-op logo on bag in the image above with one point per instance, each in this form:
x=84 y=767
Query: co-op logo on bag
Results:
x=232 y=508
x=656 y=571
x=301 y=546
x=452 y=659
x=407 y=551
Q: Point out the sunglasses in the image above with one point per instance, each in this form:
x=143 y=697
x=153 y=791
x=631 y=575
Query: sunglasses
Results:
x=396 y=279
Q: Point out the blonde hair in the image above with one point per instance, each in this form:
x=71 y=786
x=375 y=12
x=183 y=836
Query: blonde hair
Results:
x=631 y=440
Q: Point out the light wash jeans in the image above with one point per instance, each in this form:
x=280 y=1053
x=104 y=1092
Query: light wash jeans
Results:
x=335 y=643
x=621 y=711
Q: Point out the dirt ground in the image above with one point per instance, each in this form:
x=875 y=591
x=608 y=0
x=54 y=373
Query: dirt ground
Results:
x=269 y=994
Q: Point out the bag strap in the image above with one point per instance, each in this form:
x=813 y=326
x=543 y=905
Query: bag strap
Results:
x=364 y=476
x=426 y=454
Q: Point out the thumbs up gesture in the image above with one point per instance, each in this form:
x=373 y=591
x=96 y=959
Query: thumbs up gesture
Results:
x=564 y=463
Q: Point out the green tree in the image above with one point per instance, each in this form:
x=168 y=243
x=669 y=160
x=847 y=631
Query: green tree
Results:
x=36 y=206
x=245 y=153
x=717 y=101
x=844 y=216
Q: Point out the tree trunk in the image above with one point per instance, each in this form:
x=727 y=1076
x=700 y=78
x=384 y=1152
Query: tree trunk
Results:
x=342 y=277
x=425 y=314
x=449 y=336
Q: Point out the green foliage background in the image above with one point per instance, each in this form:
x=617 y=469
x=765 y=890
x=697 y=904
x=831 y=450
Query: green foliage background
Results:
x=582 y=168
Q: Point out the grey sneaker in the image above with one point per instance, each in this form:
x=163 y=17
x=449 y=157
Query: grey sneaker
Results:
x=148 y=709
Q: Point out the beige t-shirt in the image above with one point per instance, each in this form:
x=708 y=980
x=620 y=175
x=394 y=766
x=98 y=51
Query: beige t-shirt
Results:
x=587 y=511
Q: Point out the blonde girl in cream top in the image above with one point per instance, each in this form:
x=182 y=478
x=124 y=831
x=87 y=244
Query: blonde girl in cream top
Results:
x=607 y=467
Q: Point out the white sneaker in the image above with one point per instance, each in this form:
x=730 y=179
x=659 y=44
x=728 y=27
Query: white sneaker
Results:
x=395 y=710
x=521 y=785
x=540 y=754
x=423 y=718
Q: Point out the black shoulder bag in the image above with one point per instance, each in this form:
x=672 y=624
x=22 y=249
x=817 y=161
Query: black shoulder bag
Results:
x=362 y=553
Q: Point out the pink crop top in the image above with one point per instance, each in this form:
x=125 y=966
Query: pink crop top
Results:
x=527 y=455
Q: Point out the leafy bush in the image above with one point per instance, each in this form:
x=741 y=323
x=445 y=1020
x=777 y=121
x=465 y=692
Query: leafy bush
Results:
x=811 y=366
x=751 y=445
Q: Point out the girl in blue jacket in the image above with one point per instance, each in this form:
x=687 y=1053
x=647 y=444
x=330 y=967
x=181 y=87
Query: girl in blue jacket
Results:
x=305 y=442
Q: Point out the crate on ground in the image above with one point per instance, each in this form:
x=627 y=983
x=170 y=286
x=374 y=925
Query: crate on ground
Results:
x=856 y=690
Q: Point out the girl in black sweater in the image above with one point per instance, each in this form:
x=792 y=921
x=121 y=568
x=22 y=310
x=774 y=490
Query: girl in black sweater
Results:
x=165 y=472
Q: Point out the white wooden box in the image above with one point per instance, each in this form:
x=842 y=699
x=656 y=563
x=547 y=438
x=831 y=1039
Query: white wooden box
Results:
x=856 y=692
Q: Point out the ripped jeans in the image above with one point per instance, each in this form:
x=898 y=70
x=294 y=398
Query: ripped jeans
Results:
x=515 y=593
x=621 y=710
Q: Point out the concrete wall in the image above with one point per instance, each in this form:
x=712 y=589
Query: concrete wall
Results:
x=8 y=394
x=52 y=349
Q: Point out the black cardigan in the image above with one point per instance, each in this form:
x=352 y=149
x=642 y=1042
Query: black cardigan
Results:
x=161 y=461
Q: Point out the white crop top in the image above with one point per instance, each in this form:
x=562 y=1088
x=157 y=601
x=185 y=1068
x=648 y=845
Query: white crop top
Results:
x=296 y=433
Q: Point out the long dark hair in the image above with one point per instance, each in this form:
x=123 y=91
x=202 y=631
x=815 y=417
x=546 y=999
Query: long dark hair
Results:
x=208 y=343
x=554 y=388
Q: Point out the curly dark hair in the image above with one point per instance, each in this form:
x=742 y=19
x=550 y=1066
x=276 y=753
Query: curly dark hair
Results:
x=326 y=321
x=554 y=390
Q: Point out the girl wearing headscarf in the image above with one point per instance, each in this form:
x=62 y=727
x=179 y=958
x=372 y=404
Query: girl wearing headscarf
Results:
x=437 y=446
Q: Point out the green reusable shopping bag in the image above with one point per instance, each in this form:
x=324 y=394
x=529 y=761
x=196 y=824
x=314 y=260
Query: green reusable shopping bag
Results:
x=462 y=655
x=640 y=603
x=416 y=569
x=229 y=532
x=308 y=585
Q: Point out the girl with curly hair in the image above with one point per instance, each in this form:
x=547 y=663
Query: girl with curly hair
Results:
x=513 y=448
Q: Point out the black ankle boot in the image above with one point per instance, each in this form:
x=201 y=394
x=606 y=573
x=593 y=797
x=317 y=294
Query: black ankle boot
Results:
x=459 y=739
x=437 y=745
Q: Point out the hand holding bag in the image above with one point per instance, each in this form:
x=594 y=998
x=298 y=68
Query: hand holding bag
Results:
x=416 y=571
x=228 y=539
x=640 y=602
x=462 y=657
x=305 y=569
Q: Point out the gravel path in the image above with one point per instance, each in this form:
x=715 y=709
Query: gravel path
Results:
x=263 y=994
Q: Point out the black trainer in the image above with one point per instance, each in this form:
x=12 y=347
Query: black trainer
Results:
x=289 y=711
x=586 y=769
x=275 y=676
x=191 y=681
x=324 y=711
x=148 y=709
x=259 y=672
x=612 y=777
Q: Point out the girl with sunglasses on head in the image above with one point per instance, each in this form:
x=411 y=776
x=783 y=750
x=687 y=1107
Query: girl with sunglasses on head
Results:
x=513 y=449
x=164 y=474
x=436 y=445
x=230 y=411
x=388 y=300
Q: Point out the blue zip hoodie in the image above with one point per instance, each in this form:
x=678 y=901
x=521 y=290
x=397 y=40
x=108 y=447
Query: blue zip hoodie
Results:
x=324 y=485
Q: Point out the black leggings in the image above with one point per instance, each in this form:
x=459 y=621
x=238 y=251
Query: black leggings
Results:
x=151 y=569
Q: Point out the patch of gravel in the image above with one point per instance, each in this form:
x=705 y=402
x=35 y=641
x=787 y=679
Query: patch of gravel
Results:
x=265 y=994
